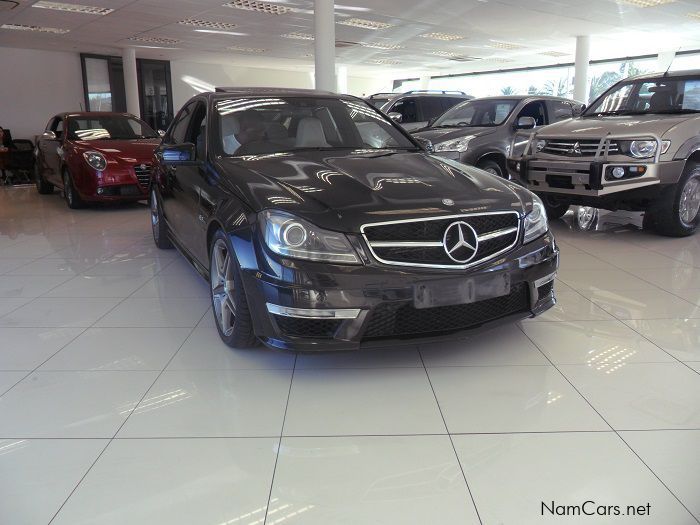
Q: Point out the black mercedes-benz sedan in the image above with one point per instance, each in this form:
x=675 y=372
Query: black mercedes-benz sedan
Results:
x=322 y=225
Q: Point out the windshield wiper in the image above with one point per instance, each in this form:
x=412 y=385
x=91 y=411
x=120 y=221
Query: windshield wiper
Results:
x=675 y=111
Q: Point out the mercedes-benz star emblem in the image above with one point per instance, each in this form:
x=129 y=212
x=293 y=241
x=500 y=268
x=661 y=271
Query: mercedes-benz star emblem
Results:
x=460 y=242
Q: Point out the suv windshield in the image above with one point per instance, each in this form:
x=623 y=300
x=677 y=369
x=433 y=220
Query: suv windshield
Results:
x=112 y=127
x=476 y=113
x=254 y=126
x=660 y=95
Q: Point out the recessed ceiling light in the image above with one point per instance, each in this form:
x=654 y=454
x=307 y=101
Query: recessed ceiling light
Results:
x=38 y=29
x=505 y=45
x=260 y=7
x=365 y=24
x=377 y=45
x=73 y=8
x=246 y=49
x=554 y=53
x=219 y=32
x=445 y=54
x=498 y=60
x=442 y=36
x=155 y=47
x=644 y=3
x=384 y=62
x=155 y=40
x=208 y=24
x=298 y=36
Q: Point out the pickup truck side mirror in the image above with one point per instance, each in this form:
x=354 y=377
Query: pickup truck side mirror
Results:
x=396 y=116
x=177 y=153
x=161 y=133
x=526 y=123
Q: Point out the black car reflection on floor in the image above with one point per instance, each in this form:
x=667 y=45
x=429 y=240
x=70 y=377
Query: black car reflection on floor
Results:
x=321 y=225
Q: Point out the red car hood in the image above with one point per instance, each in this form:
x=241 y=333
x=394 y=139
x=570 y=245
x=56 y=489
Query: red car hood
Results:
x=129 y=151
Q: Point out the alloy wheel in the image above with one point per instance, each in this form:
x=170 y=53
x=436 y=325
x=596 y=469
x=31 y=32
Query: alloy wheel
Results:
x=689 y=204
x=586 y=216
x=155 y=215
x=222 y=287
x=68 y=189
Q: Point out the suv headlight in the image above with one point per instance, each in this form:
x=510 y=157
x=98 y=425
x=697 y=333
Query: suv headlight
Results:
x=643 y=149
x=535 y=221
x=291 y=236
x=460 y=144
x=95 y=160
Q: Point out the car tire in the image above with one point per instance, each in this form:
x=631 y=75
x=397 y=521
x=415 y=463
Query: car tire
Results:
x=43 y=187
x=676 y=213
x=70 y=193
x=492 y=167
x=228 y=299
x=161 y=233
x=555 y=208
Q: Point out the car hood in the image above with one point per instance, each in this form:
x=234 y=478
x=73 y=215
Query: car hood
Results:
x=616 y=125
x=343 y=191
x=437 y=135
x=129 y=151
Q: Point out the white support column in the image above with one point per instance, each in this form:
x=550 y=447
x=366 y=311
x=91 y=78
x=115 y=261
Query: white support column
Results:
x=324 y=44
x=583 y=55
x=131 y=84
x=341 y=73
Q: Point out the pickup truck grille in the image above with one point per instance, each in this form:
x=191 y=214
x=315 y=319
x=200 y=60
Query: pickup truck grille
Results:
x=143 y=174
x=577 y=148
x=421 y=242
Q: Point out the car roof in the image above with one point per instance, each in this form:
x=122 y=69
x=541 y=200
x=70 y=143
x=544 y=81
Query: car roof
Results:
x=667 y=74
x=255 y=91
x=528 y=97
x=94 y=114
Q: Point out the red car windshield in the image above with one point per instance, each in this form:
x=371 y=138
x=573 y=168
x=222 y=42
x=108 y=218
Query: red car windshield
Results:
x=112 y=127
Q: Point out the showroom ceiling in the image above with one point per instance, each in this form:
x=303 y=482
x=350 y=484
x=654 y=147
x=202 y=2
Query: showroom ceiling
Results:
x=434 y=35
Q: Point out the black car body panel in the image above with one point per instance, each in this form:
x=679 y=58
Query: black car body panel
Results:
x=344 y=190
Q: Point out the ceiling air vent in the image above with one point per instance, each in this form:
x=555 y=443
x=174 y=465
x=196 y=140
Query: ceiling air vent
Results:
x=6 y=5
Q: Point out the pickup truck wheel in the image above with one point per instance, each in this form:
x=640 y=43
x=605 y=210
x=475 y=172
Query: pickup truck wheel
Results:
x=554 y=207
x=492 y=167
x=229 y=302
x=677 y=212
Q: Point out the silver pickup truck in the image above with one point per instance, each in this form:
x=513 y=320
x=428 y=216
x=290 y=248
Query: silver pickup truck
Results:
x=637 y=147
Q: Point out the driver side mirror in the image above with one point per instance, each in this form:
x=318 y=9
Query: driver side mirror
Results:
x=161 y=133
x=48 y=135
x=427 y=144
x=396 y=116
x=177 y=153
x=526 y=123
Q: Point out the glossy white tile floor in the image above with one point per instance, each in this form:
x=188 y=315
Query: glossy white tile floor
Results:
x=120 y=405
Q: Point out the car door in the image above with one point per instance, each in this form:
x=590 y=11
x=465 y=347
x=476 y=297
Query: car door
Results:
x=52 y=151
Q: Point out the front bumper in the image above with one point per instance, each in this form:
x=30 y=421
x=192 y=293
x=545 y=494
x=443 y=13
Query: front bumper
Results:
x=374 y=304
x=590 y=178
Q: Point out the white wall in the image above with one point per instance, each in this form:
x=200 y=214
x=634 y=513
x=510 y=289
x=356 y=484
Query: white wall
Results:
x=35 y=85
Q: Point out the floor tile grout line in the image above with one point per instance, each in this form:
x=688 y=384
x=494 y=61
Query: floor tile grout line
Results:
x=110 y=440
x=279 y=442
x=614 y=430
x=449 y=435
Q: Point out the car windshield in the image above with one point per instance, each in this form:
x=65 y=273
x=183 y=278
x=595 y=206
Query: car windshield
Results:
x=638 y=97
x=491 y=112
x=266 y=125
x=109 y=127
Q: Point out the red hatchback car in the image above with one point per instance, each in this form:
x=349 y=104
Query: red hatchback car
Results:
x=95 y=157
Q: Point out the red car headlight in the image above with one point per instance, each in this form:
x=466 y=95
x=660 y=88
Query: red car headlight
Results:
x=95 y=160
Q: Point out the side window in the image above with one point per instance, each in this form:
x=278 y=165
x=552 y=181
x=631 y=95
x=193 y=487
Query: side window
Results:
x=407 y=108
x=535 y=110
x=182 y=122
x=57 y=127
x=560 y=110
x=448 y=102
x=430 y=107
x=197 y=133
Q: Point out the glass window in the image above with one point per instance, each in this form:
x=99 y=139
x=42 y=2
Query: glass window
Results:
x=108 y=127
x=560 y=110
x=98 y=86
x=430 y=107
x=535 y=110
x=477 y=113
x=179 y=130
x=256 y=126
x=408 y=109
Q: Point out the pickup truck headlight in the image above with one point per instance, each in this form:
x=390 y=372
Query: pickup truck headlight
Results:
x=461 y=144
x=536 y=221
x=95 y=160
x=291 y=236
x=643 y=149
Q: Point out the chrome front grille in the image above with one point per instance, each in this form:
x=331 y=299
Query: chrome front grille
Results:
x=578 y=148
x=143 y=174
x=422 y=242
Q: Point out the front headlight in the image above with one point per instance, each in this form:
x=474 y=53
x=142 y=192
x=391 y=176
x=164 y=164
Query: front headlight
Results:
x=95 y=160
x=535 y=221
x=460 y=144
x=291 y=236
x=643 y=149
